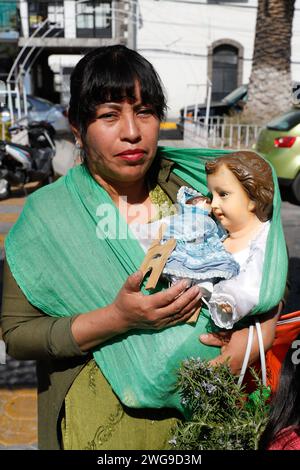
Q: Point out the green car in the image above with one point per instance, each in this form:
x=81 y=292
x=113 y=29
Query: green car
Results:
x=279 y=142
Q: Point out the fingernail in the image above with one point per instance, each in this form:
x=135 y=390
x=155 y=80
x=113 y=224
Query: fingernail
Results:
x=204 y=336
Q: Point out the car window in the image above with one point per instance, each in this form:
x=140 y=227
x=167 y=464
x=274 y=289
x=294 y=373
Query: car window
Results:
x=285 y=122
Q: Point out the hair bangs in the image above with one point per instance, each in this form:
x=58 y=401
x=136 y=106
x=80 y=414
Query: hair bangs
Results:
x=119 y=80
x=111 y=85
x=111 y=74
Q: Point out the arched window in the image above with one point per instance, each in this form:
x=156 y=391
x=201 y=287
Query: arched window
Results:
x=224 y=70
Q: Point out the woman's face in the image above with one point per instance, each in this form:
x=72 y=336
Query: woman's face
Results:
x=230 y=202
x=121 y=143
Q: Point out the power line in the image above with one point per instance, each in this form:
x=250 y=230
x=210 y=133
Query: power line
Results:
x=215 y=4
x=193 y=54
x=188 y=2
x=220 y=3
x=182 y=24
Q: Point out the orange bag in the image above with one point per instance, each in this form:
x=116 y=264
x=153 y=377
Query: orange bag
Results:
x=287 y=329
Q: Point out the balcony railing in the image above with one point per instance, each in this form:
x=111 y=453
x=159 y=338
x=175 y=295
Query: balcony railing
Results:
x=220 y=133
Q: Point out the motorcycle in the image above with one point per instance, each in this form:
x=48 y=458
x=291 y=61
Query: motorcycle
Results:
x=21 y=164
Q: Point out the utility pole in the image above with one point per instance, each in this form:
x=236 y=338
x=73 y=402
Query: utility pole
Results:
x=132 y=24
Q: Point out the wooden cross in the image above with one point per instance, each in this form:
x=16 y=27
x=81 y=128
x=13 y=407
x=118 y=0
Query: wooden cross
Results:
x=194 y=317
x=155 y=261
x=157 y=257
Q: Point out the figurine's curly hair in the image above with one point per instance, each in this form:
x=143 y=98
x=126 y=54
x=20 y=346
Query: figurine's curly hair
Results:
x=255 y=175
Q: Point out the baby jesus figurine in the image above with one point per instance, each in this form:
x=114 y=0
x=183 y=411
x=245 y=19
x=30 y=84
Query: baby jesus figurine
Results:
x=197 y=252
x=220 y=245
x=205 y=203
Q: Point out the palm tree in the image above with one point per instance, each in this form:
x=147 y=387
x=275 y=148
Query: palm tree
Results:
x=270 y=88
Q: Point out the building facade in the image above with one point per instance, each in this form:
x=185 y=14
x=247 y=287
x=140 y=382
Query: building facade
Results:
x=191 y=43
x=73 y=27
x=194 y=42
x=9 y=26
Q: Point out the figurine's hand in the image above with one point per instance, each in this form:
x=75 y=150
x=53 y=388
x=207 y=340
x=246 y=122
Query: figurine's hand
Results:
x=226 y=308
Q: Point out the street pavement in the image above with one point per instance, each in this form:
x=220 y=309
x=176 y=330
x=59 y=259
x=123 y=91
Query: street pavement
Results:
x=18 y=402
x=290 y=215
x=18 y=396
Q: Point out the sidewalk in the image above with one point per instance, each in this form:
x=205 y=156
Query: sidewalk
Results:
x=18 y=405
x=18 y=419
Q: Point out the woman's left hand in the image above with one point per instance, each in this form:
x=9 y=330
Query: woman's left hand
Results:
x=233 y=343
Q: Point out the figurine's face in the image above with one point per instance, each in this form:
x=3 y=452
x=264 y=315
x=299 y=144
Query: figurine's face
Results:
x=230 y=203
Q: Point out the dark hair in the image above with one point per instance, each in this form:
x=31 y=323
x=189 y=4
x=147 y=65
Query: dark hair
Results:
x=255 y=174
x=285 y=407
x=110 y=74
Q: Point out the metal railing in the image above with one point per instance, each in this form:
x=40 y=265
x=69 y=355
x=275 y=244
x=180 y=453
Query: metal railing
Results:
x=219 y=132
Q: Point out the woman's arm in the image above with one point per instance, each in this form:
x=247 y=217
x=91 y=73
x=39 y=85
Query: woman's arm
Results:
x=31 y=334
x=233 y=343
x=28 y=332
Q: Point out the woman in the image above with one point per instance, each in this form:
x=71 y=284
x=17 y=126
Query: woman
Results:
x=283 y=428
x=76 y=295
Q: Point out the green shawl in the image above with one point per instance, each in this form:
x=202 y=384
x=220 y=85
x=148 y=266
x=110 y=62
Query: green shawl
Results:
x=67 y=260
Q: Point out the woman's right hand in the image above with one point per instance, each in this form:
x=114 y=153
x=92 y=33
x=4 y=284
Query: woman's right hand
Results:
x=167 y=308
x=131 y=309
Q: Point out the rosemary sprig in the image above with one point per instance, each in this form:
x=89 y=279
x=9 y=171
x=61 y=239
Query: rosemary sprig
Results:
x=223 y=416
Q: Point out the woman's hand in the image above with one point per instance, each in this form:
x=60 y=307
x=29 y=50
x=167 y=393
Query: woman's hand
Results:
x=132 y=309
x=233 y=343
x=167 y=308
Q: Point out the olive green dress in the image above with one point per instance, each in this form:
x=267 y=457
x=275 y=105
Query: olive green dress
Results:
x=111 y=426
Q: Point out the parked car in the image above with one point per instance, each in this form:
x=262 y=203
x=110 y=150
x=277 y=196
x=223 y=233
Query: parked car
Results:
x=40 y=109
x=279 y=142
x=232 y=102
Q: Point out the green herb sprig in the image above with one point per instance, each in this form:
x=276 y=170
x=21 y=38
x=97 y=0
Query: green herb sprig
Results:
x=223 y=416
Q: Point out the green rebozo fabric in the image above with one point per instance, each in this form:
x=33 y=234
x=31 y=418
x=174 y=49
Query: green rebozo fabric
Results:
x=71 y=251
